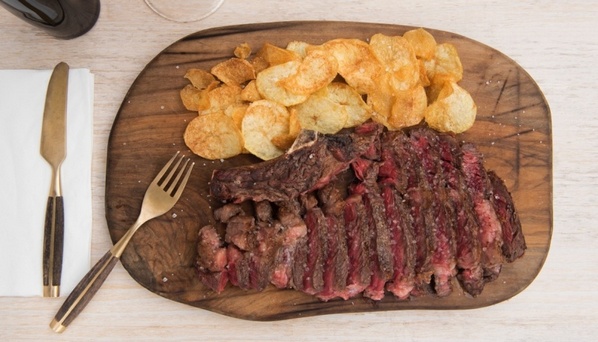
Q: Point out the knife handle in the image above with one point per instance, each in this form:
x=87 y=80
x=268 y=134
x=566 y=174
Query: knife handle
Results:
x=53 y=246
x=83 y=292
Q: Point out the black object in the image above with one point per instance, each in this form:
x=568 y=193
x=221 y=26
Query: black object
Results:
x=64 y=19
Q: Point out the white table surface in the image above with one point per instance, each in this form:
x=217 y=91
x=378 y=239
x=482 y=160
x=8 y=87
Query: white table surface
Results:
x=555 y=41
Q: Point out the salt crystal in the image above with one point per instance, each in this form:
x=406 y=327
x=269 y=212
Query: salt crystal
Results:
x=164 y=279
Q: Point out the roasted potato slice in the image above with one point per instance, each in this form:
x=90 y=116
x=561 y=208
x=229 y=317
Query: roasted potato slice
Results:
x=213 y=136
x=453 y=111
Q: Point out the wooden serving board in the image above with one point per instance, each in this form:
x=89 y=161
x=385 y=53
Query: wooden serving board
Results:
x=513 y=130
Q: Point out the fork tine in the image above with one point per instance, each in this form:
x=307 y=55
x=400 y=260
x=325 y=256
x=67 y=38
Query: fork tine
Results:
x=164 y=169
x=166 y=181
x=169 y=188
x=184 y=181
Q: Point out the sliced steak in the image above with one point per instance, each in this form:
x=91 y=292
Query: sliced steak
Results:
x=467 y=244
x=381 y=256
x=362 y=213
x=241 y=231
x=336 y=267
x=317 y=242
x=513 y=240
x=212 y=264
x=403 y=247
x=490 y=233
x=308 y=166
x=294 y=231
x=426 y=146
x=238 y=274
x=359 y=245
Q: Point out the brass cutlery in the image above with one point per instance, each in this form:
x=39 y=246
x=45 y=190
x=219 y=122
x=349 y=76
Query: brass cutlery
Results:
x=53 y=150
x=160 y=196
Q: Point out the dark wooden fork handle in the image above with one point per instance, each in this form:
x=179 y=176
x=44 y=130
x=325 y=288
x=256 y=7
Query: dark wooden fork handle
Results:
x=83 y=292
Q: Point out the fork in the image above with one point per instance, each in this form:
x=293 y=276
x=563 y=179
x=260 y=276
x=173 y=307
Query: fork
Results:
x=160 y=197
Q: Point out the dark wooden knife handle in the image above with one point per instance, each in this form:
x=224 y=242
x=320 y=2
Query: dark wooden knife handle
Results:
x=83 y=292
x=53 y=242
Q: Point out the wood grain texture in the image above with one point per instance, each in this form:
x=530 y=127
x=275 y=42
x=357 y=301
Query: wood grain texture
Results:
x=53 y=241
x=513 y=130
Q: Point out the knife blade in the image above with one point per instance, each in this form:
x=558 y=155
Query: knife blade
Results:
x=53 y=150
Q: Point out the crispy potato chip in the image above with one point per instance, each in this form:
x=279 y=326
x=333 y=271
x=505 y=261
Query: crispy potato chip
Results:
x=242 y=51
x=237 y=112
x=381 y=103
x=429 y=66
x=447 y=64
x=275 y=55
x=222 y=97
x=268 y=84
x=398 y=60
x=259 y=64
x=317 y=69
x=453 y=111
x=213 y=136
x=234 y=71
x=423 y=43
x=299 y=47
x=200 y=78
x=294 y=124
x=408 y=108
x=320 y=113
x=423 y=73
x=192 y=98
x=263 y=121
x=357 y=110
x=250 y=92
x=434 y=89
x=356 y=63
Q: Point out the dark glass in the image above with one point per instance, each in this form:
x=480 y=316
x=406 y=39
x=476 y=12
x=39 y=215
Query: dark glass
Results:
x=64 y=19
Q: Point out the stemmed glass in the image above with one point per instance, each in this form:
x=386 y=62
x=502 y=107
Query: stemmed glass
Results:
x=184 y=11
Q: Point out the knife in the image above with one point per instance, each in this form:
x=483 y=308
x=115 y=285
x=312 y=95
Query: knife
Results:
x=53 y=150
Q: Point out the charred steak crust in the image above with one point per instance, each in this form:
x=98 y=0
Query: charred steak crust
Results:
x=366 y=212
x=309 y=166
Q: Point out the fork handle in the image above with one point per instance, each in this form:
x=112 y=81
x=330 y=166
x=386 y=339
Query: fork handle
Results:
x=53 y=246
x=83 y=292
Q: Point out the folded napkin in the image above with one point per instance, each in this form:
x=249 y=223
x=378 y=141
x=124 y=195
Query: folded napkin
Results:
x=25 y=178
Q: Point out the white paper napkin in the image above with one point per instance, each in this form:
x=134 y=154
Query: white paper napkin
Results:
x=25 y=180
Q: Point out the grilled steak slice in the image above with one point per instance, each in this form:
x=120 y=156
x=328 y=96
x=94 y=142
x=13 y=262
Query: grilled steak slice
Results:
x=490 y=233
x=238 y=274
x=425 y=143
x=403 y=250
x=401 y=168
x=336 y=267
x=313 y=278
x=212 y=264
x=306 y=167
x=241 y=231
x=513 y=240
x=359 y=245
x=468 y=249
x=294 y=231
x=381 y=254
x=227 y=211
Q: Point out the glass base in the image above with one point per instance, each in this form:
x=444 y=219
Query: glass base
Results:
x=184 y=11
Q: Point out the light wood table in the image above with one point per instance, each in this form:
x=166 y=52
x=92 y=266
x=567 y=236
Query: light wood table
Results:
x=554 y=41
